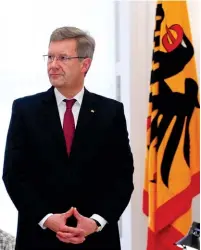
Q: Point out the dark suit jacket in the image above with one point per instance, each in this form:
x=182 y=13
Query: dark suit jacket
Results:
x=40 y=178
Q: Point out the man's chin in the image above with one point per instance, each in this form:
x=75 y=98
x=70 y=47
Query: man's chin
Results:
x=57 y=84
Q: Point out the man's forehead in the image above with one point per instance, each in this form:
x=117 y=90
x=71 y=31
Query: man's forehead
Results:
x=64 y=45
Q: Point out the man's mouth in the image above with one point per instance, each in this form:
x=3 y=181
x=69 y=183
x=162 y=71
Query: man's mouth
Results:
x=54 y=75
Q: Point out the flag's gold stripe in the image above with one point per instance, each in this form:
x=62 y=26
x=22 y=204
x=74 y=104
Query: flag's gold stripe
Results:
x=152 y=84
x=157 y=33
x=154 y=114
x=155 y=88
x=156 y=49
x=159 y=119
x=158 y=18
x=155 y=66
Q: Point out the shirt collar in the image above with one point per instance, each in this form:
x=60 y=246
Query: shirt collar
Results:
x=60 y=97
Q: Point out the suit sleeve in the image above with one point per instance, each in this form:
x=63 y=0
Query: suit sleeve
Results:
x=16 y=175
x=117 y=195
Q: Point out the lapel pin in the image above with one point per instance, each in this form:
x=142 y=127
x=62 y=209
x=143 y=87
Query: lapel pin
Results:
x=92 y=111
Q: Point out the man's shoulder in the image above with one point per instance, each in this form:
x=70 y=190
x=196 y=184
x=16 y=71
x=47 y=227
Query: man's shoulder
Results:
x=106 y=100
x=30 y=98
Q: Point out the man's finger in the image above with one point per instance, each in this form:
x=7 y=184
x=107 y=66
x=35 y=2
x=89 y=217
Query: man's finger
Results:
x=63 y=239
x=73 y=230
x=77 y=240
x=73 y=240
x=68 y=213
x=76 y=214
x=65 y=235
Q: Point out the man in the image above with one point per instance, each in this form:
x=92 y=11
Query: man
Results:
x=7 y=241
x=68 y=166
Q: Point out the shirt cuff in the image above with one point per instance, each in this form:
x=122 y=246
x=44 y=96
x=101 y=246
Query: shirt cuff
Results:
x=100 y=219
x=41 y=223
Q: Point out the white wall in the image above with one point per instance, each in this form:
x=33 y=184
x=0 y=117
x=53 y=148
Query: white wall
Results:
x=142 y=18
x=123 y=55
x=25 y=27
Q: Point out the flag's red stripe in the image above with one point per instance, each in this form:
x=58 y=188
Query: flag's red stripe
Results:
x=145 y=205
x=178 y=205
x=164 y=240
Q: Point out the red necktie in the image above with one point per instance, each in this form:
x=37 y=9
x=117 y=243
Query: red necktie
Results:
x=69 y=124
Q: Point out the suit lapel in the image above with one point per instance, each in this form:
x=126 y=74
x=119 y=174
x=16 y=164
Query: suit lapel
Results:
x=52 y=123
x=85 y=121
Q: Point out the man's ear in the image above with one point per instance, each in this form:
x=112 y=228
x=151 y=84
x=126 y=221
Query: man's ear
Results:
x=86 y=63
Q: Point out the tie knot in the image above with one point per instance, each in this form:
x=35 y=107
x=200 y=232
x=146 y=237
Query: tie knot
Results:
x=70 y=103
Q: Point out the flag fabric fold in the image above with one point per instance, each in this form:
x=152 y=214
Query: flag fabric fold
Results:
x=172 y=158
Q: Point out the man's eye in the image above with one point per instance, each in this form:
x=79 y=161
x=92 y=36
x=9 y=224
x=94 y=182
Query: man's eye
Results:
x=50 y=57
x=62 y=58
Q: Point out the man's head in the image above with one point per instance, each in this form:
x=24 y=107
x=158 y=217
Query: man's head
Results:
x=69 y=57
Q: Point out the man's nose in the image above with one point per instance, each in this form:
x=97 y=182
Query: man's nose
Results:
x=54 y=63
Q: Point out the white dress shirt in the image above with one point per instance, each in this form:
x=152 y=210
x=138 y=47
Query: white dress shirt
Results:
x=75 y=110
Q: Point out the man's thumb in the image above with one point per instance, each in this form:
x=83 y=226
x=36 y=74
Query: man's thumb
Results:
x=68 y=213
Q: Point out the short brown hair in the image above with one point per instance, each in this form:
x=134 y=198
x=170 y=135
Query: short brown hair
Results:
x=85 y=43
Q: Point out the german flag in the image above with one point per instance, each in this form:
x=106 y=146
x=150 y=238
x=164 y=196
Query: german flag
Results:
x=172 y=157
